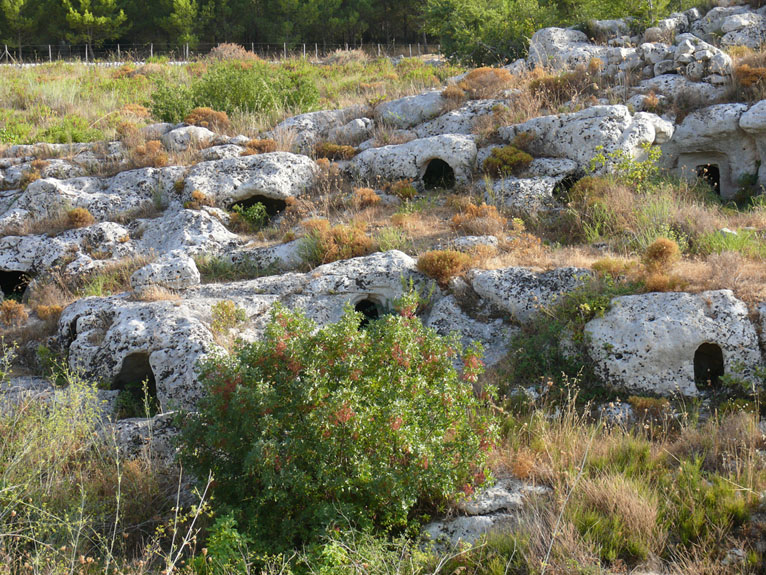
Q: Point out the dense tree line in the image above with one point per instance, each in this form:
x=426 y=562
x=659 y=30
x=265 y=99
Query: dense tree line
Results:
x=474 y=30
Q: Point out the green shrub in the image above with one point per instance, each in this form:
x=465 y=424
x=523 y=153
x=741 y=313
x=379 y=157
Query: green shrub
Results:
x=552 y=346
x=71 y=129
x=254 y=87
x=311 y=427
x=747 y=242
x=506 y=161
x=698 y=503
x=171 y=103
x=249 y=219
x=226 y=315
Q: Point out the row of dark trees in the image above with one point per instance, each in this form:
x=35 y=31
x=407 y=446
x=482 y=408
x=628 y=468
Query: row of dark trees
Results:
x=193 y=22
x=471 y=30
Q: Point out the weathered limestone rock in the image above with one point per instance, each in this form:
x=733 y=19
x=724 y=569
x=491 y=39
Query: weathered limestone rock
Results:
x=221 y=152
x=577 y=135
x=180 y=139
x=411 y=160
x=152 y=438
x=754 y=123
x=521 y=292
x=126 y=193
x=116 y=339
x=447 y=317
x=651 y=342
x=411 y=110
x=527 y=195
x=713 y=137
x=562 y=49
x=277 y=175
x=314 y=127
x=459 y=121
x=353 y=133
x=193 y=231
x=281 y=257
x=111 y=338
x=495 y=508
x=173 y=270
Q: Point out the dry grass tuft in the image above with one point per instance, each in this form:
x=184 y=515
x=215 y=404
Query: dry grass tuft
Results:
x=402 y=189
x=198 y=200
x=80 y=218
x=443 y=265
x=208 y=118
x=365 y=198
x=325 y=243
x=334 y=151
x=506 y=161
x=13 y=313
x=479 y=220
x=258 y=146
x=149 y=155
x=661 y=255
x=230 y=51
x=156 y=293
x=482 y=83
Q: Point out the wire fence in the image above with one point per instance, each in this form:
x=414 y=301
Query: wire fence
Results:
x=123 y=53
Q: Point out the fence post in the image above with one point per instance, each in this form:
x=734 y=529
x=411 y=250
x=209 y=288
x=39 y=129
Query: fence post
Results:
x=50 y=54
x=316 y=51
x=410 y=50
x=346 y=46
x=304 y=51
x=151 y=50
x=418 y=48
x=284 y=49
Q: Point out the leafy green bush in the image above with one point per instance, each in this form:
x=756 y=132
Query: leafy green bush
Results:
x=171 y=103
x=311 y=427
x=71 y=129
x=236 y=87
x=249 y=219
x=254 y=87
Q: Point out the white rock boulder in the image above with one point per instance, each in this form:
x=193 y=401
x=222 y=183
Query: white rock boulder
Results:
x=663 y=342
x=411 y=160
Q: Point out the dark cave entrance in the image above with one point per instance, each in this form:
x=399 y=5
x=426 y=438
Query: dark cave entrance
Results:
x=273 y=206
x=711 y=174
x=137 y=386
x=708 y=365
x=562 y=189
x=439 y=174
x=371 y=310
x=13 y=284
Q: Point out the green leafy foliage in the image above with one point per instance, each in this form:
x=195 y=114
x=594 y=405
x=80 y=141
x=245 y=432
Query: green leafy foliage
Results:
x=311 y=427
x=237 y=87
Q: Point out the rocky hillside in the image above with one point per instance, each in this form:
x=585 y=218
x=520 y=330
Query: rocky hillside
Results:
x=620 y=171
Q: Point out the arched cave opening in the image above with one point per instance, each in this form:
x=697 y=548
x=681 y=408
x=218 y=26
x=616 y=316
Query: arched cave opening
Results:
x=711 y=174
x=438 y=175
x=13 y=284
x=708 y=365
x=370 y=309
x=137 y=386
x=562 y=189
x=273 y=206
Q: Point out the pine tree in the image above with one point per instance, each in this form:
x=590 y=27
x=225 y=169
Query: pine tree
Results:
x=19 y=19
x=93 y=21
